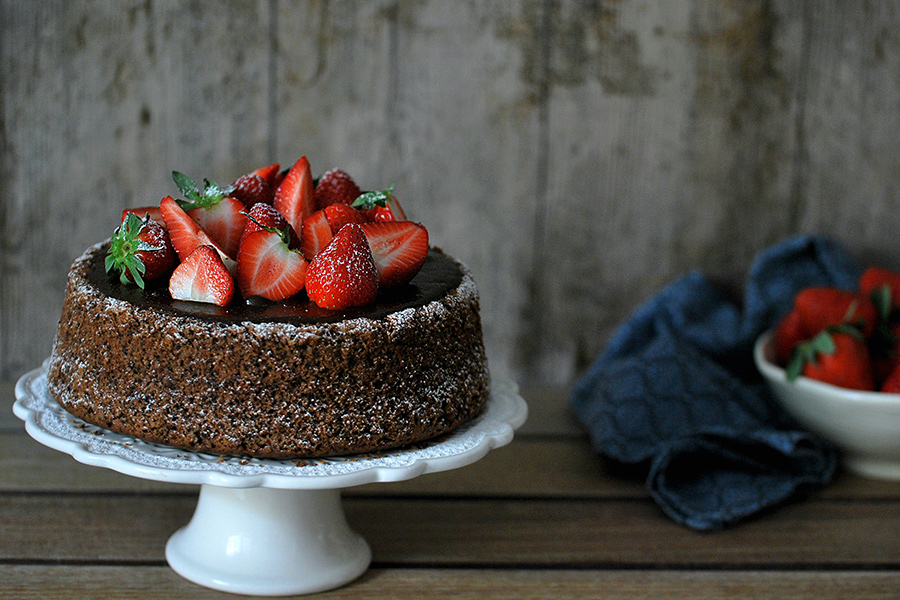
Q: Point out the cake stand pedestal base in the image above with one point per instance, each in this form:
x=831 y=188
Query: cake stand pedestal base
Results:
x=267 y=541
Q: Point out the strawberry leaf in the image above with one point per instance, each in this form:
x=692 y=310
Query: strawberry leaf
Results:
x=370 y=200
x=123 y=248
x=211 y=194
x=186 y=186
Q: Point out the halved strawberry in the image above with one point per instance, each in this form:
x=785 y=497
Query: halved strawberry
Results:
x=267 y=267
x=224 y=222
x=399 y=249
x=202 y=277
x=140 y=249
x=141 y=211
x=270 y=174
x=252 y=189
x=185 y=233
x=343 y=274
x=294 y=197
x=380 y=206
x=315 y=234
x=322 y=225
x=335 y=187
x=220 y=215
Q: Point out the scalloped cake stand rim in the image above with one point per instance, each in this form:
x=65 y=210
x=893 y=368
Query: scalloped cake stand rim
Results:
x=48 y=423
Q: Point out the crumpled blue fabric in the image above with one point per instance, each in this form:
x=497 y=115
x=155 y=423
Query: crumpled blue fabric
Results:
x=675 y=391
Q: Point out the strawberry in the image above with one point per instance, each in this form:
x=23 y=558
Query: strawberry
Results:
x=139 y=250
x=322 y=225
x=380 y=206
x=335 y=187
x=820 y=307
x=185 y=233
x=788 y=333
x=316 y=234
x=294 y=197
x=267 y=267
x=141 y=211
x=202 y=277
x=270 y=173
x=264 y=215
x=891 y=384
x=876 y=279
x=399 y=249
x=339 y=215
x=252 y=189
x=837 y=355
x=220 y=215
x=343 y=274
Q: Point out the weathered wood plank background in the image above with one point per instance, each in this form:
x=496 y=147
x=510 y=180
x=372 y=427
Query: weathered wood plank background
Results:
x=576 y=155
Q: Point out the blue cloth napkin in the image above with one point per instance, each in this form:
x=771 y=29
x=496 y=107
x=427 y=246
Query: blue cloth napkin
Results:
x=675 y=391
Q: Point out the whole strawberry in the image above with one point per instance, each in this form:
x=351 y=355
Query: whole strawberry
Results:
x=343 y=274
x=789 y=332
x=252 y=189
x=837 y=355
x=820 y=307
x=380 y=205
x=140 y=250
x=335 y=187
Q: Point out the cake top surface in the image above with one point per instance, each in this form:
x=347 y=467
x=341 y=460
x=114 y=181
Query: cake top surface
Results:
x=439 y=275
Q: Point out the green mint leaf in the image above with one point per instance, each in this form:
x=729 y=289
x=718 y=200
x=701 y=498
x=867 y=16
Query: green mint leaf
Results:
x=370 y=200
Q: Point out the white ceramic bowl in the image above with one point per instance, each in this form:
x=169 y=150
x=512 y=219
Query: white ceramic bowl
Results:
x=865 y=426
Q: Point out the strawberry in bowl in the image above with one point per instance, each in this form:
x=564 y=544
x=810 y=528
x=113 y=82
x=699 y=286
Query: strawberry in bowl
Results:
x=833 y=363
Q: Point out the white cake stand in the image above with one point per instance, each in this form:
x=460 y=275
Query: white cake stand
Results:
x=265 y=527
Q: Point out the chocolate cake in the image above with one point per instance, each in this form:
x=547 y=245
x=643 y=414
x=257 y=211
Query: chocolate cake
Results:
x=271 y=379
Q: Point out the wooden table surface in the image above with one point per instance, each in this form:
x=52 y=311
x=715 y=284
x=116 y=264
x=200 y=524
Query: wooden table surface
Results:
x=540 y=518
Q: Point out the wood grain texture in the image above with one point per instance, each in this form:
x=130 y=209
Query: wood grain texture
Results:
x=577 y=156
x=52 y=582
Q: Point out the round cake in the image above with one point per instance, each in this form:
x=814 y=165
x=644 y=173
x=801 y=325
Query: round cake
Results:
x=271 y=379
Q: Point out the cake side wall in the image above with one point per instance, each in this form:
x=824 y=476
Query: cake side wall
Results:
x=270 y=389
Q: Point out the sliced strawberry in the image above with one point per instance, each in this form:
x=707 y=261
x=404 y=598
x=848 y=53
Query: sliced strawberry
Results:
x=185 y=233
x=202 y=277
x=343 y=274
x=224 y=222
x=335 y=187
x=141 y=211
x=294 y=197
x=140 y=250
x=252 y=189
x=399 y=249
x=270 y=174
x=218 y=214
x=268 y=268
x=380 y=206
x=315 y=234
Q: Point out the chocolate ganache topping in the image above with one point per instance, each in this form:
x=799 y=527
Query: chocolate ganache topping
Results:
x=438 y=276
